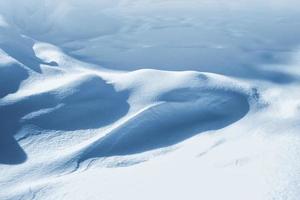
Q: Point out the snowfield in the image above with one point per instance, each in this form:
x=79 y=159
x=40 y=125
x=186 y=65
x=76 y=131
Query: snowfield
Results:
x=149 y=99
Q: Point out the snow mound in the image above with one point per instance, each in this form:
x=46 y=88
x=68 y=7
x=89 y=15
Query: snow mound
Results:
x=120 y=99
x=182 y=114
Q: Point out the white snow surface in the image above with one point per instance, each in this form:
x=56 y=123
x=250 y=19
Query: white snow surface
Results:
x=149 y=99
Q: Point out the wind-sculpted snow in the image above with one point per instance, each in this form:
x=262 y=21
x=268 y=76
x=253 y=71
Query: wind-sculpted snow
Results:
x=126 y=99
x=182 y=114
x=89 y=104
x=85 y=105
x=11 y=76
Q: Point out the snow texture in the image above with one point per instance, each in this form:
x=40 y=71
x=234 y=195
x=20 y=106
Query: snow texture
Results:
x=149 y=99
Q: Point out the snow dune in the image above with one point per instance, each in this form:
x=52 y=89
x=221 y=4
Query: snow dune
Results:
x=150 y=99
x=162 y=125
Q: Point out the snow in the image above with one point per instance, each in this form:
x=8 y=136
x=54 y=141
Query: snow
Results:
x=153 y=99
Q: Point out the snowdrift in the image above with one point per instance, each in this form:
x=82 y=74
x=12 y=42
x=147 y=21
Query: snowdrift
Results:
x=150 y=99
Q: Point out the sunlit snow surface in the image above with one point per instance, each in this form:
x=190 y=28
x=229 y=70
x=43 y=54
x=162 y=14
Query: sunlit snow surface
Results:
x=150 y=99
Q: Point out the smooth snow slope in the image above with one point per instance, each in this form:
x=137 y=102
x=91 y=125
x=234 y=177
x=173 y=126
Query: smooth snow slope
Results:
x=152 y=99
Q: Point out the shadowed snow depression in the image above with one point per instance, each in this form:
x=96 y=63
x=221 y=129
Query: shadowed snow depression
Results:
x=150 y=99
